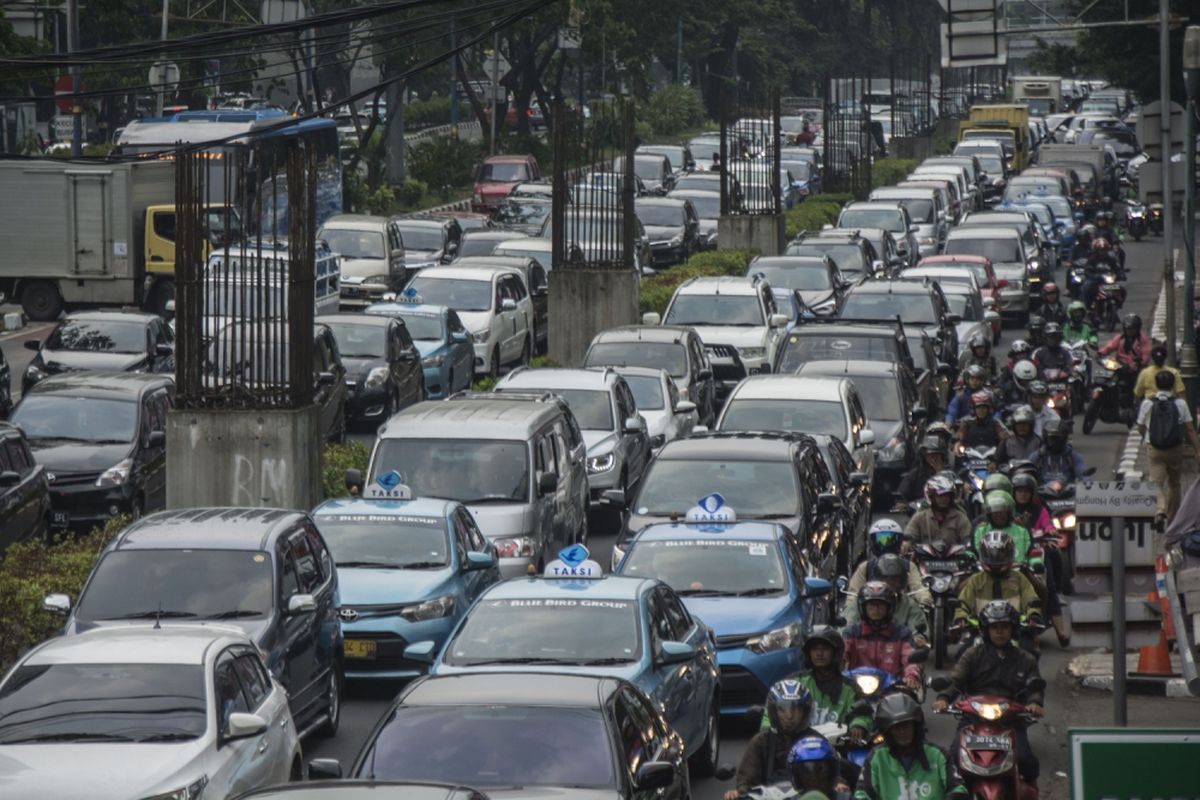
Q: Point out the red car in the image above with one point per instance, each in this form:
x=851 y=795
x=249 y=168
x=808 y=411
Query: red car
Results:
x=497 y=176
x=985 y=276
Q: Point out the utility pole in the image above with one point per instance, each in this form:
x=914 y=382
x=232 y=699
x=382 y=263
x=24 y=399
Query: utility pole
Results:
x=1188 y=366
x=495 y=88
x=679 y=50
x=453 y=83
x=1164 y=80
x=76 y=110
x=162 y=64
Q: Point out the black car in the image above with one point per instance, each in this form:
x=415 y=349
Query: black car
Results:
x=483 y=241
x=553 y=735
x=673 y=227
x=917 y=302
x=24 y=492
x=854 y=255
x=855 y=490
x=383 y=366
x=266 y=571
x=117 y=341
x=102 y=438
x=524 y=215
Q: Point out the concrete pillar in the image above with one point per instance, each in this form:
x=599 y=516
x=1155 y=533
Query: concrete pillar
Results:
x=584 y=302
x=763 y=233
x=264 y=459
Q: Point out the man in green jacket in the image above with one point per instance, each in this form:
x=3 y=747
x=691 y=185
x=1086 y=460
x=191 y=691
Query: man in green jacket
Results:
x=999 y=512
x=835 y=697
x=1076 y=328
x=905 y=766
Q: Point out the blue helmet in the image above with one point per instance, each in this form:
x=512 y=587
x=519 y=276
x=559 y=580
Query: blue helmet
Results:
x=811 y=748
x=813 y=764
x=789 y=695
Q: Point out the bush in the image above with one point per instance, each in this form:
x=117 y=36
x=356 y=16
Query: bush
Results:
x=412 y=191
x=435 y=111
x=484 y=384
x=811 y=215
x=890 y=171
x=515 y=144
x=443 y=161
x=657 y=289
x=543 y=362
x=335 y=460
x=672 y=110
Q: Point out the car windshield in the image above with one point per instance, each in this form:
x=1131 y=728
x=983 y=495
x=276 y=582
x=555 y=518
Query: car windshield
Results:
x=354 y=244
x=661 y=215
x=466 y=470
x=655 y=355
x=756 y=489
x=178 y=583
x=995 y=250
x=913 y=309
x=99 y=336
x=493 y=745
x=1060 y=205
x=503 y=172
x=803 y=416
x=647 y=392
x=477 y=246
x=569 y=631
x=103 y=703
x=592 y=409
x=543 y=257
x=710 y=566
x=522 y=212
x=880 y=399
x=920 y=211
x=961 y=305
x=91 y=419
x=674 y=155
x=1042 y=213
x=801 y=170
x=706 y=207
x=245 y=301
x=811 y=277
x=424 y=327
x=1125 y=144
x=359 y=341
x=704 y=149
x=991 y=164
x=648 y=169
x=848 y=257
x=421 y=238
x=836 y=347
x=715 y=309
x=890 y=219
x=461 y=294
x=385 y=540
x=702 y=182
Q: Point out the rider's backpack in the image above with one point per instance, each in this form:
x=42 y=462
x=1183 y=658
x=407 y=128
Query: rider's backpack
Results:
x=1166 y=428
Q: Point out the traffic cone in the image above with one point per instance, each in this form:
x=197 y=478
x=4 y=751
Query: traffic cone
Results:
x=1160 y=594
x=1155 y=659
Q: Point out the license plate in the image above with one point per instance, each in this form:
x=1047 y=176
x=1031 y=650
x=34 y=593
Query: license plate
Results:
x=1002 y=743
x=60 y=519
x=359 y=648
x=941 y=566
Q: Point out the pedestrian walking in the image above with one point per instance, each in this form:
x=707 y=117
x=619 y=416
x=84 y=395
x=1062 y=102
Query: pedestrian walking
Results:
x=1144 y=389
x=1165 y=421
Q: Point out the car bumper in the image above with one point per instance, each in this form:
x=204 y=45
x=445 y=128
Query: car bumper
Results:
x=666 y=254
x=483 y=355
x=86 y=506
x=359 y=296
x=365 y=404
x=437 y=382
x=601 y=482
x=391 y=635
x=929 y=249
x=1014 y=302
x=746 y=676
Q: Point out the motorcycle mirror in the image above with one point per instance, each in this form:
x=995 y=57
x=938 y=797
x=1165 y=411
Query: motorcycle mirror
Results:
x=939 y=683
x=753 y=713
x=1089 y=472
x=725 y=772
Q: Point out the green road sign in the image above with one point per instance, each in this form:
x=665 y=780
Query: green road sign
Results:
x=1127 y=763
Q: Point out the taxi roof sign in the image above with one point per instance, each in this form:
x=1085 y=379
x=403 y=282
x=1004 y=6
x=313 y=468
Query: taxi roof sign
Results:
x=573 y=562
x=388 y=486
x=711 y=508
x=409 y=295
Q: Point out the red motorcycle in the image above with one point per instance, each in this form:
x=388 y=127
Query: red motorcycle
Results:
x=1058 y=381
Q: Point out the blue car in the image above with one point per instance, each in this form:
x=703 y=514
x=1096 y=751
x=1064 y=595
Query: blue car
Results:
x=408 y=570
x=447 y=355
x=631 y=628
x=751 y=583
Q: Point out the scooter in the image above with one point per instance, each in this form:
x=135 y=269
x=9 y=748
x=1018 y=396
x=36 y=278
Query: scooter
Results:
x=1156 y=219
x=1059 y=498
x=1059 y=383
x=1111 y=396
x=977 y=465
x=942 y=569
x=1135 y=220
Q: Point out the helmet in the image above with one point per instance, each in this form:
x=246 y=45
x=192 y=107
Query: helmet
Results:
x=1053 y=329
x=885 y=535
x=932 y=444
x=981 y=398
x=896 y=708
x=1055 y=428
x=1022 y=414
x=1024 y=480
x=1020 y=347
x=1075 y=308
x=1158 y=354
x=1039 y=388
x=890 y=565
x=979 y=340
x=813 y=763
x=938 y=429
x=830 y=636
x=997 y=482
x=788 y=695
x=1036 y=323
x=1024 y=372
x=875 y=591
x=975 y=371
x=998 y=611
x=938 y=485
x=1050 y=288
x=1131 y=321
x=1100 y=246
x=996 y=551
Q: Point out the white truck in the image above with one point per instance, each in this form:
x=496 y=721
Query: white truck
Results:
x=1042 y=93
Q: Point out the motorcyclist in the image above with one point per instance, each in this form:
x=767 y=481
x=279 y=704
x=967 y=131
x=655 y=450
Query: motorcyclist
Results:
x=1000 y=579
x=1076 y=328
x=934 y=457
x=815 y=768
x=1014 y=382
x=765 y=760
x=942 y=431
x=1000 y=515
x=1057 y=459
x=877 y=641
x=979 y=352
x=1106 y=231
x=974 y=378
x=905 y=766
x=1032 y=513
x=835 y=697
x=982 y=430
x=998 y=667
x=893 y=571
x=1052 y=308
x=1039 y=402
x=1022 y=442
x=1037 y=325
x=886 y=536
x=943 y=520
x=1052 y=355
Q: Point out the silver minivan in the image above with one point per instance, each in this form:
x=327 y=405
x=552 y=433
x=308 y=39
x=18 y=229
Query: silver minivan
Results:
x=516 y=461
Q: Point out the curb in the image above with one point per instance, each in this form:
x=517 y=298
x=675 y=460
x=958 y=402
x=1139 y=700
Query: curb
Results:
x=13 y=321
x=457 y=205
x=1140 y=685
x=1133 y=442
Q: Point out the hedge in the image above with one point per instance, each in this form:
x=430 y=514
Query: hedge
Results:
x=811 y=215
x=336 y=459
x=657 y=289
x=890 y=171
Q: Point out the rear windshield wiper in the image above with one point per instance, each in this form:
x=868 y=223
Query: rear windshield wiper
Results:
x=422 y=565
x=236 y=613
x=153 y=614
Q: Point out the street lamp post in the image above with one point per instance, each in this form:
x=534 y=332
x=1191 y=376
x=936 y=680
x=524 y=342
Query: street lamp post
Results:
x=1188 y=365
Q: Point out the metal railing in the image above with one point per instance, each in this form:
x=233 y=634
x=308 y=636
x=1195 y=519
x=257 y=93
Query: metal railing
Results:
x=750 y=157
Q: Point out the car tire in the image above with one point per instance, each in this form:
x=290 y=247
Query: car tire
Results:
x=704 y=761
x=41 y=301
x=333 y=702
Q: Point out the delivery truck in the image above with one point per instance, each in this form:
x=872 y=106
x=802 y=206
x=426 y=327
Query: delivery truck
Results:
x=1006 y=122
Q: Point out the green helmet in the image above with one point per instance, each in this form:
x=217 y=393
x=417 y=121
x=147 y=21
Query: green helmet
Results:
x=1076 y=306
x=997 y=482
x=998 y=501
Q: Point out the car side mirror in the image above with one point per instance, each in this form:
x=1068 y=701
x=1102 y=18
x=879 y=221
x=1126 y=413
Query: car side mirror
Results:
x=914 y=228
x=704 y=374
x=241 y=725
x=945 y=370
x=156 y=439
x=685 y=407
x=169 y=306
x=953 y=319
x=816 y=587
x=941 y=216
x=866 y=436
x=878 y=264
x=301 y=604
x=779 y=320
x=354 y=482
x=9 y=478
x=458 y=336
x=1002 y=283
x=163 y=349
x=508 y=304
x=860 y=479
x=324 y=769
x=675 y=653
x=918 y=413
x=614 y=497
x=828 y=502
x=654 y=775
x=477 y=560
x=57 y=603
x=633 y=425
x=651 y=318
x=541 y=291
x=326 y=378
x=33 y=344
x=422 y=652
x=991 y=316
x=547 y=483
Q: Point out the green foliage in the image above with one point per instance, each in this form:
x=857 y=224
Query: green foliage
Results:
x=484 y=384
x=335 y=460
x=361 y=199
x=435 y=111
x=33 y=569
x=811 y=215
x=412 y=191
x=443 y=161
x=543 y=362
x=672 y=110
x=890 y=171
x=657 y=289
x=516 y=144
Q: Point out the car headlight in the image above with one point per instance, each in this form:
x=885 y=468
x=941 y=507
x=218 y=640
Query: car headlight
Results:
x=778 y=639
x=35 y=373
x=514 y=547
x=189 y=792
x=752 y=353
x=678 y=240
x=602 y=463
x=376 y=377
x=1015 y=285
x=430 y=609
x=481 y=336
x=433 y=361
x=115 y=475
x=378 y=280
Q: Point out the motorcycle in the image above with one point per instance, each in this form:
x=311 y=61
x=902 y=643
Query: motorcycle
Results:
x=1059 y=498
x=1111 y=396
x=1135 y=220
x=1058 y=381
x=942 y=569
x=1156 y=219
x=977 y=465
x=1110 y=298
x=1081 y=371
x=1076 y=274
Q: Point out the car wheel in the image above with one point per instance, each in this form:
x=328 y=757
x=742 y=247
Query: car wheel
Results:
x=333 y=702
x=41 y=301
x=704 y=761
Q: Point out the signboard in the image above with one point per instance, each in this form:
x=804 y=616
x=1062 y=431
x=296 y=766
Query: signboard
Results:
x=1108 y=499
x=1123 y=763
x=64 y=127
x=975 y=34
x=1096 y=503
x=164 y=75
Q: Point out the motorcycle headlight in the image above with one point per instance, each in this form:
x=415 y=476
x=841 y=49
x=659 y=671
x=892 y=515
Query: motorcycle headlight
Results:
x=115 y=475
x=1065 y=521
x=433 y=361
x=941 y=584
x=976 y=481
x=1110 y=278
x=481 y=336
x=989 y=711
x=752 y=353
x=514 y=547
x=1111 y=364
x=867 y=684
x=376 y=377
x=604 y=463
x=430 y=609
x=189 y=792
x=778 y=639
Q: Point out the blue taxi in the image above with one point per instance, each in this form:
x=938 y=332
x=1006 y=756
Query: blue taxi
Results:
x=408 y=570
x=748 y=580
x=575 y=620
x=447 y=355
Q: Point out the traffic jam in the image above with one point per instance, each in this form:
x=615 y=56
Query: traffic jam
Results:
x=812 y=506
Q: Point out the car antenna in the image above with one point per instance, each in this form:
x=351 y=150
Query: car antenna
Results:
x=158 y=617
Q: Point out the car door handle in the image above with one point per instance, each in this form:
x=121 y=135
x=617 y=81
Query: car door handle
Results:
x=283 y=721
x=262 y=746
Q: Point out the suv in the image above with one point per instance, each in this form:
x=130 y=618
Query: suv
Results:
x=372 y=256
x=738 y=320
x=890 y=216
x=618 y=448
x=854 y=255
x=764 y=475
x=1003 y=247
x=516 y=461
x=428 y=241
x=1044 y=255
x=496 y=178
x=816 y=279
x=536 y=286
x=264 y=570
x=118 y=341
x=918 y=303
x=924 y=206
x=24 y=492
x=677 y=350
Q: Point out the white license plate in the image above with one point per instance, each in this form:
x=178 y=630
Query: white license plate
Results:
x=1002 y=743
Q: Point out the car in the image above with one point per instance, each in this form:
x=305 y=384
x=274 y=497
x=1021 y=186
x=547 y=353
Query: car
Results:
x=673 y=227
x=1006 y=252
x=706 y=151
x=408 y=570
x=611 y=184
x=817 y=279
x=101 y=437
x=678 y=350
x=634 y=629
x=654 y=169
x=483 y=242
x=946 y=187
x=925 y=211
x=467 y=220
x=537 y=288
x=888 y=215
x=6 y=400
x=769 y=475
x=892 y=404
x=917 y=303
x=1043 y=255
x=516 y=461
x=497 y=176
x=524 y=215
x=708 y=181
x=985 y=278
x=970 y=196
x=708 y=210
x=382 y=364
x=596 y=234
x=736 y=317
x=853 y=254
x=24 y=490
x=751 y=582
x=853 y=487
x=264 y=571
x=658 y=403
x=886 y=246
x=366 y=789
x=493 y=304
x=428 y=241
x=108 y=341
x=371 y=250
x=163 y=712
x=444 y=343
x=975 y=319
x=521 y=732
x=679 y=156
x=805 y=175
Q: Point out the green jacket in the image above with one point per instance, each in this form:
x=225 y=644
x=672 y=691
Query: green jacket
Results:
x=1022 y=542
x=930 y=776
x=1083 y=333
x=981 y=588
x=840 y=709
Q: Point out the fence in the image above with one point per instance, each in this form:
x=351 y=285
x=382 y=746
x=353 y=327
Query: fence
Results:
x=750 y=157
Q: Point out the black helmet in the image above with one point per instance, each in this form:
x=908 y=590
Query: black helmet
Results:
x=1158 y=354
x=1036 y=323
x=1023 y=480
x=975 y=371
x=789 y=694
x=830 y=636
x=896 y=708
x=997 y=551
x=890 y=565
x=876 y=591
x=1039 y=388
x=998 y=611
x=1052 y=329
x=1131 y=321
x=932 y=444
x=1055 y=428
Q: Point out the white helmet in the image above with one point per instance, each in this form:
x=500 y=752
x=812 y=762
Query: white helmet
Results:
x=1024 y=372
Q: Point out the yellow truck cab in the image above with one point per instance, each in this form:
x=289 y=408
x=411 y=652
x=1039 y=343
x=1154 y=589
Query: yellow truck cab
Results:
x=1008 y=122
x=159 y=249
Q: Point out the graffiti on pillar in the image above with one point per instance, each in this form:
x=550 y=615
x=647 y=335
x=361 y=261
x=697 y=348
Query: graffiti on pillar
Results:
x=259 y=484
